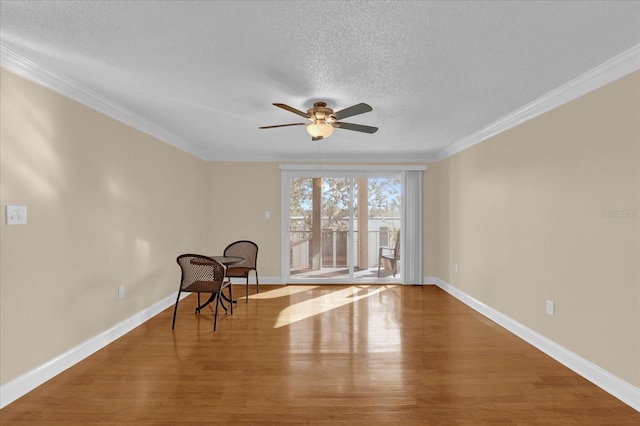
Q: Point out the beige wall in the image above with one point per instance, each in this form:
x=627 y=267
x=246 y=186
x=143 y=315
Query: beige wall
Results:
x=521 y=214
x=105 y=204
x=524 y=214
x=246 y=191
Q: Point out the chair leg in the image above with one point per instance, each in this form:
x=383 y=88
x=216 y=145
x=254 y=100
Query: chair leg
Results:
x=231 y=297
x=215 y=315
x=257 y=284
x=246 y=300
x=175 y=311
x=379 y=262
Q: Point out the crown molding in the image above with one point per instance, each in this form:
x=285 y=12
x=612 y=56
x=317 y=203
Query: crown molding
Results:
x=615 y=68
x=619 y=66
x=69 y=88
x=304 y=167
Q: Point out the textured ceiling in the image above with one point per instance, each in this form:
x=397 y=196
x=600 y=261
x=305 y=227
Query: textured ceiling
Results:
x=206 y=73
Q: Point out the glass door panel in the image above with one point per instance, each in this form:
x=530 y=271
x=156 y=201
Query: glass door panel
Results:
x=337 y=225
x=378 y=205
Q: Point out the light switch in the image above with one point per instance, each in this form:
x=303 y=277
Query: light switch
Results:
x=267 y=214
x=16 y=215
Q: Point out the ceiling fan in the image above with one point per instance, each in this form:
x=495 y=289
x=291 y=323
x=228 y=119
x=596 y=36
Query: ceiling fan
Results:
x=324 y=120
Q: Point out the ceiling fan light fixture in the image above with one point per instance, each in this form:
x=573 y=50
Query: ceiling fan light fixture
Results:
x=324 y=120
x=319 y=129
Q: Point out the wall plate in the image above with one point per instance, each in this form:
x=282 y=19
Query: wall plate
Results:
x=16 y=215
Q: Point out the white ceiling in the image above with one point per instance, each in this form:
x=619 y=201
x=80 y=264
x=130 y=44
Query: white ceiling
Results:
x=203 y=75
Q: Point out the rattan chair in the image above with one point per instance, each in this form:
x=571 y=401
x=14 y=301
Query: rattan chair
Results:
x=390 y=254
x=201 y=274
x=249 y=251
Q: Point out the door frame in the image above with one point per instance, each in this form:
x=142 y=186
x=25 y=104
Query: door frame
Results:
x=289 y=171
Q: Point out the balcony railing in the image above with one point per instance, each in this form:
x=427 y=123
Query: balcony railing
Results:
x=334 y=247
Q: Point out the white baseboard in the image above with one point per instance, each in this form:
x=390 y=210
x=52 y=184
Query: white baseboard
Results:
x=25 y=383
x=263 y=280
x=617 y=387
x=21 y=385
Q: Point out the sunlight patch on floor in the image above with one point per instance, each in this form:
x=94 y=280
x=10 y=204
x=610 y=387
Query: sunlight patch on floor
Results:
x=318 y=305
x=282 y=292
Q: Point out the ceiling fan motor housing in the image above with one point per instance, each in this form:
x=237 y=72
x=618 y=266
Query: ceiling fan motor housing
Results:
x=320 y=113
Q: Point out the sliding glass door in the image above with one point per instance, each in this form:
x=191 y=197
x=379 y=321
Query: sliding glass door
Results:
x=338 y=224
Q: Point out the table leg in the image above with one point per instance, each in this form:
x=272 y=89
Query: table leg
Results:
x=227 y=299
x=211 y=298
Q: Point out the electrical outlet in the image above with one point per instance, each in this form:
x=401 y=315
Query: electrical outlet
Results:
x=121 y=292
x=551 y=307
x=456 y=268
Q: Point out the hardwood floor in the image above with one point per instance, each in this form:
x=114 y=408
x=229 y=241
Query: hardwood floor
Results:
x=311 y=354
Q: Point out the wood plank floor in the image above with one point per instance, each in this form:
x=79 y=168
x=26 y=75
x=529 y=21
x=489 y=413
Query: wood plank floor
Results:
x=311 y=354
